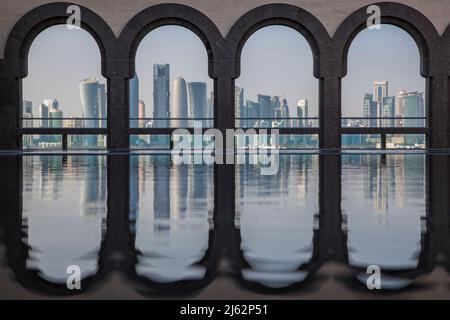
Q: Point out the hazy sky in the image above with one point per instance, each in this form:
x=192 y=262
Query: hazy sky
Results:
x=58 y=59
x=180 y=48
x=385 y=54
x=276 y=60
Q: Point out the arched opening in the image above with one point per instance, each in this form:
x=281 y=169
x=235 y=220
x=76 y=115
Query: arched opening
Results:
x=277 y=216
x=172 y=207
x=384 y=202
x=64 y=89
x=384 y=89
x=277 y=88
x=64 y=207
x=171 y=88
x=171 y=204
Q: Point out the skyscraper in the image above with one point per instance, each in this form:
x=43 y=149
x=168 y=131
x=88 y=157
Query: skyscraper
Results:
x=142 y=122
x=380 y=92
x=240 y=110
x=134 y=101
x=253 y=112
x=413 y=104
x=197 y=100
x=102 y=105
x=27 y=107
x=141 y=114
x=161 y=190
x=161 y=94
x=27 y=122
x=285 y=108
x=210 y=111
x=370 y=110
x=303 y=112
x=43 y=114
x=89 y=106
x=56 y=116
x=179 y=109
x=388 y=111
x=52 y=104
x=134 y=106
x=265 y=106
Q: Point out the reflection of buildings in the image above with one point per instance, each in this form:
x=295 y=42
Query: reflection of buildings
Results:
x=161 y=192
x=179 y=191
x=275 y=216
x=93 y=190
x=399 y=177
x=53 y=171
x=50 y=178
x=134 y=187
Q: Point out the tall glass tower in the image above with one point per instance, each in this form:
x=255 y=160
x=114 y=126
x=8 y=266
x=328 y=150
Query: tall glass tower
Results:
x=90 y=107
x=134 y=106
x=198 y=101
x=161 y=94
x=239 y=106
x=134 y=101
x=179 y=103
x=380 y=92
x=102 y=105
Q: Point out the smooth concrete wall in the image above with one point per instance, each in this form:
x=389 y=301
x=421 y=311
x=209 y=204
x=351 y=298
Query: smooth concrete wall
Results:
x=224 y=13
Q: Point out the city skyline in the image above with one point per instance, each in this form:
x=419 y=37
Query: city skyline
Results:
x=76 y=56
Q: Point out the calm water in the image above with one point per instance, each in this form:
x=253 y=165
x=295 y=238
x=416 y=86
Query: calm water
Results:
x=159 y=223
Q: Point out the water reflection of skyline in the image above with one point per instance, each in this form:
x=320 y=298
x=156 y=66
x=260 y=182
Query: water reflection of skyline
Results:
x=172 y=229
x=384 y=200
x=278 y=219
x=64 y=211
x=276 y=215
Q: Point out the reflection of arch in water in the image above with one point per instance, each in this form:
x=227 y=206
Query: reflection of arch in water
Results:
x=271 y=259
x=402 y=275
x=18 y=251
x=164 y=259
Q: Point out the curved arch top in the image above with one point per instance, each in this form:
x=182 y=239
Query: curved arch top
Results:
x=278 y=14
x=409 y=19
x=170 y=14
x=446 y=49
x=37 y=20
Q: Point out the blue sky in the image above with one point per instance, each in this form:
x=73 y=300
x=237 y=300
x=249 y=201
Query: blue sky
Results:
x=276 y=60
